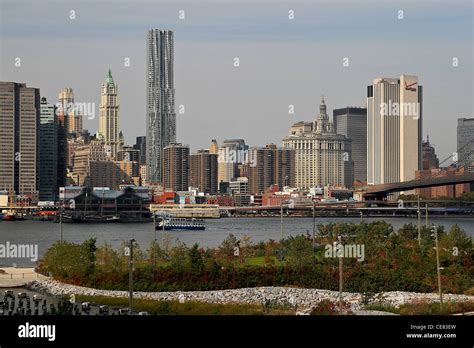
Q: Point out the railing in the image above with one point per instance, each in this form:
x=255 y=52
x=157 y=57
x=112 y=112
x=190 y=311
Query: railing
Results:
x=19 y=275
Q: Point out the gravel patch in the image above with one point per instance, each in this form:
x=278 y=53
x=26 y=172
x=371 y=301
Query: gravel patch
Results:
x=303 y=299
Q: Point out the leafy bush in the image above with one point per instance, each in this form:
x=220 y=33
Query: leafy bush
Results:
x=392 y=261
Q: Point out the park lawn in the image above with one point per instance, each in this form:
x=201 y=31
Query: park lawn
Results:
x=155 y=307
x=260 y=261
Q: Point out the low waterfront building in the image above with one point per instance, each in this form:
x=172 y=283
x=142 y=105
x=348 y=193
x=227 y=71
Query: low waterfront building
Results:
x=188 y=210
x=129 y=204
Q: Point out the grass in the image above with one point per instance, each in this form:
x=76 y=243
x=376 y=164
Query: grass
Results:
x=425 y=308
x=155 y=307
x=260 y=260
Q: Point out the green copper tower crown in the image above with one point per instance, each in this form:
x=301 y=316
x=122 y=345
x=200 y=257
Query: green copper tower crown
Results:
x=109 y=79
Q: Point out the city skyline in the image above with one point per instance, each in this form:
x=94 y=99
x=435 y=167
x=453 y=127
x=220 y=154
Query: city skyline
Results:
x=260 y=90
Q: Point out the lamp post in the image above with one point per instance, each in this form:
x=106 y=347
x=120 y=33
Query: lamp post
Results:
x=163 y=233
x=281 y=219
x=154 y=241
x=340 y=274
x=130 y=275
x=419 y=222
x=314 y=223
x=426 y=215
x=60 y=222
x=438 y=269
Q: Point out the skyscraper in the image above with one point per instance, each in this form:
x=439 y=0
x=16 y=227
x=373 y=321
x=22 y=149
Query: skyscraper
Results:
x=68 y=113
x=19 y=121
x=322 y=157
x=214 y=148
x=176 y=167
x=352 y=122
x=48 y=152
x=203 y=171
x=161 y=117
x=465 y=142
x=430 y=160
x=140 y=144
x=270 y=166
x=394 y=114
x=109 y=125
x=231 y=154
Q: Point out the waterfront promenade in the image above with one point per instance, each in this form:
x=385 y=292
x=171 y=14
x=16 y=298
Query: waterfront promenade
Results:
x=12 y=277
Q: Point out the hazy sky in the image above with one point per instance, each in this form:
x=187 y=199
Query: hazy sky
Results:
x=282 y=61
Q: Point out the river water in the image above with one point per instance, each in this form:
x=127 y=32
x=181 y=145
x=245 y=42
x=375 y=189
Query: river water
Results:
x=43 y=233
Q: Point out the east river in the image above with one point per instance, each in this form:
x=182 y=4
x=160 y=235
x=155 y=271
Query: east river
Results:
x=43 y=233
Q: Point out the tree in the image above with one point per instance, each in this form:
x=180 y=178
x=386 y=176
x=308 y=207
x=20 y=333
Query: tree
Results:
x=299 y=253
x=195 y=261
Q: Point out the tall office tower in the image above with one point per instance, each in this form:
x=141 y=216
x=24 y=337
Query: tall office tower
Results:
x=269 y=166
x=285 y=167
x=84 y=155
x=352 y=122
x=231 y=154
x=261 y=169
x=161 y=117
x=322 y=157
x=465 y=142
x=238 y=144
x=128 y=153
x=430 y=160
x=48 y=152
x=176 y=167
x=394 y=134
x=140 y=145
x=68 y=113
x=109 y=125
x=225 y=166
x=214 y=148
x=19 y=122
x=94 y=168
x=203 y=171
x=64 y=158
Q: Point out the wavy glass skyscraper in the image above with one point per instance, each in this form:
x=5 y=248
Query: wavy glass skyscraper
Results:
x=161 y=118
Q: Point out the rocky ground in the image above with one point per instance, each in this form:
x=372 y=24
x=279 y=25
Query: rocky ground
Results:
x=302 y=299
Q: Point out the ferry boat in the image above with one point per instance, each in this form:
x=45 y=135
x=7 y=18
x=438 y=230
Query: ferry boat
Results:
x=179 y=224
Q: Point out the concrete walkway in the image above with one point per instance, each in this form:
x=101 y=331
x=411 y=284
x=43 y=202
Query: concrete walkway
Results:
x=12 y=277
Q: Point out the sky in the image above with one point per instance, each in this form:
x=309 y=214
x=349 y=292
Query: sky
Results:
x=282 y=61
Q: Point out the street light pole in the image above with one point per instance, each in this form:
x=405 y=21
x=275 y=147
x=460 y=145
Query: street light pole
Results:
x=60 y=222
x=314 y=223
x=438 y=269
x=426 y=215
x=154 y=241
x=340 y=276
x=419 y=222
x=281 y=219
x=163 y=233
x=130 y=277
